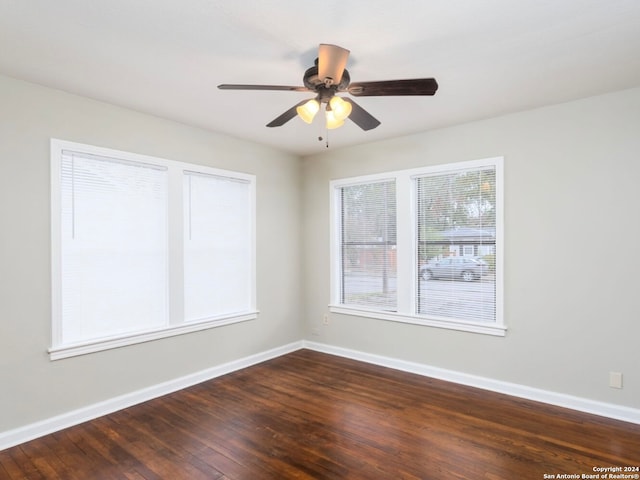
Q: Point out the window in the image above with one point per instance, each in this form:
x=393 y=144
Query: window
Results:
x=114 y=246
x=145 y=248
x=367 y=245
x=456 y=216
x=421 y=246
x=217 y=246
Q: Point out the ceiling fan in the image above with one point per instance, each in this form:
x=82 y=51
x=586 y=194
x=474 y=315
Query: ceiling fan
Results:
x=327 y=78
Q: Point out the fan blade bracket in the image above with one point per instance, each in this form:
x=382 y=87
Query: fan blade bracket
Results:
x=287 y=88
x=416 y=86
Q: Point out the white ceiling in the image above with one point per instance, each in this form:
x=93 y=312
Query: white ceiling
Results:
x=166 y=57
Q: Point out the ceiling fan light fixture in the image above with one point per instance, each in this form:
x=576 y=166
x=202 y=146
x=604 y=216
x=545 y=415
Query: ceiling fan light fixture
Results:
x=328 y=77
x=341 y=109
x=332 y=120
x=308 y=110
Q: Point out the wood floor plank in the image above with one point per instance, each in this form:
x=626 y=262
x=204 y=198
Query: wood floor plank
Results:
x=9 y=469
x=309 y=415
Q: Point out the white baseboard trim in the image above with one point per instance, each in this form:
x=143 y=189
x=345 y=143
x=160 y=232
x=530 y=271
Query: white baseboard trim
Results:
x=20 y=435
x=595 y=407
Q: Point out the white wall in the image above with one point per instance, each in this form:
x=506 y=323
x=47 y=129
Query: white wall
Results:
x=572 y=301
x=32 y=388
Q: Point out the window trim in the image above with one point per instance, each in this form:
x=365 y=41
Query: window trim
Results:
x=177 y=325
x=406 y=225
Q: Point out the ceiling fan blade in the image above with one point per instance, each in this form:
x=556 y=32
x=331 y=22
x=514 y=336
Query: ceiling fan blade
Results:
x=231 y=86
x=286 y=116
x=361 y=117
x=417 y=86
x=332 y=61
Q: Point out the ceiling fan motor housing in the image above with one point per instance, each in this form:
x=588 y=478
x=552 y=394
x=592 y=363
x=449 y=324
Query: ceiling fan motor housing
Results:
x=324 y=89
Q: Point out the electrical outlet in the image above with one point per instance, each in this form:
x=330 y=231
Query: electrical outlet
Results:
x=615 y=379
x=325 y=319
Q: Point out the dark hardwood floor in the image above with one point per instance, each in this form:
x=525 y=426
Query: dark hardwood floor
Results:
x=309 y=415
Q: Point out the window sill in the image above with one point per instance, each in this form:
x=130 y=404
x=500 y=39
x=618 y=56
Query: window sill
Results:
x=450 y=324
x=82 y=348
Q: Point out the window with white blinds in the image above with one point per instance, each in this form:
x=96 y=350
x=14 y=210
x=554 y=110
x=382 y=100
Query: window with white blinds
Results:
x=144 y=248
x=368 y=245
x=217 y=246
x=456 y=244
x=114 y=246
x=421 y=246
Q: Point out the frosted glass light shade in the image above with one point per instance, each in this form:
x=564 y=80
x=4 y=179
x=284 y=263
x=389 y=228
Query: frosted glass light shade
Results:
x=307 y=111
x=340 y=108
x=332 y=120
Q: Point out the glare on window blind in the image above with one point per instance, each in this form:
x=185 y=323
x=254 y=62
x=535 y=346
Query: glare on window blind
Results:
x=114 y=247
x=456 y=227
x=368 y=245
x=217 y=246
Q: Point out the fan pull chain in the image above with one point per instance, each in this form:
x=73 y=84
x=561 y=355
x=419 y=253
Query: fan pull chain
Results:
x=326 y=138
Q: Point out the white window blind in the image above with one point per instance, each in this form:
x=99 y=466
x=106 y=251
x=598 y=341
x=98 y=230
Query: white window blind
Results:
x=456 y=242
x=146 y=248
x=114 y=247
x=217 y=246
x=368 y=245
